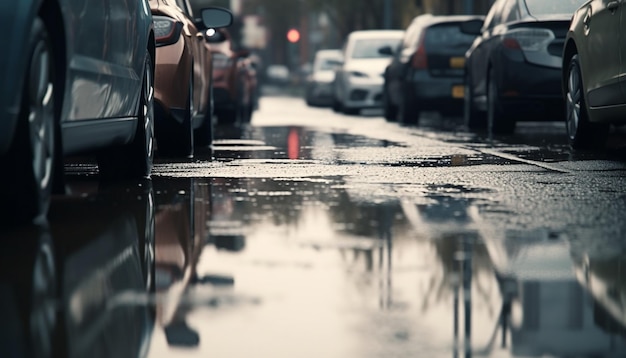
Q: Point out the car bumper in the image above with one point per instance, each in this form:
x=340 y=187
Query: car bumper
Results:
x=529 y=89
x=443 y=94
x=364 y=94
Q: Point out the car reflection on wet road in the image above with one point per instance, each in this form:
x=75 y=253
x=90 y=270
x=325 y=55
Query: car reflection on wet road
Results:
x=353 y=238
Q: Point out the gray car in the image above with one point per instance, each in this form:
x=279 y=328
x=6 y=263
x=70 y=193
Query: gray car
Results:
x=319 y=84
x=76 y=76
x=594 y=70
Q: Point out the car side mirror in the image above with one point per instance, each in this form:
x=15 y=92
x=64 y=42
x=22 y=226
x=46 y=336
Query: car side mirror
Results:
x=215 y=17
x=386 y=50
x=472 y=27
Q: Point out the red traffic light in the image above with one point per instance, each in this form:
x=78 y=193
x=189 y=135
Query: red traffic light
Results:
x=293 y=35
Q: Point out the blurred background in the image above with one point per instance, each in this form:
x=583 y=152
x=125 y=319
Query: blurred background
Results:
x=287 y=33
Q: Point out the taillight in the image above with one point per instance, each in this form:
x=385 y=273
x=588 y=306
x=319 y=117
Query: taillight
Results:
x=420 y=60
x=166 y=30
x=528 y=39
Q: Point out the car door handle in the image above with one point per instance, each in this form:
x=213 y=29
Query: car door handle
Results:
x=612 y=6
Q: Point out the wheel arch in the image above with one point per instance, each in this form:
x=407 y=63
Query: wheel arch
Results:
x=52 y=16
x=569 y=50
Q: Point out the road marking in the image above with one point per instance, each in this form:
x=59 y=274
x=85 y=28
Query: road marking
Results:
x=512 y=157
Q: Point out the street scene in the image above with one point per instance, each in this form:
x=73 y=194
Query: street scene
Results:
x=407 y=179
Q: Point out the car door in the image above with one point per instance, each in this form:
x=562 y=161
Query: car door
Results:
x=480 y=52
x=104 y=75
x=622 y=48
x=599 y=59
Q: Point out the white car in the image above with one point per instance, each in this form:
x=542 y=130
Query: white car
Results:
x=359 y=81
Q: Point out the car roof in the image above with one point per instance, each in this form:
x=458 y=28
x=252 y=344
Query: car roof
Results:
x=429 y=20
x=373 y=34
x=332 y=53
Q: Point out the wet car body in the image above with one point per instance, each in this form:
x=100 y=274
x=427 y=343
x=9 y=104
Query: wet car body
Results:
x=427 y=70
x=233 y=79
x=78 y=79
x=359 y=81
x=183 y=80
x=513 y=69
x=319 y=84
x=593 y=73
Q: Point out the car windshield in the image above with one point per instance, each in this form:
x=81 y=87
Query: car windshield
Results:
x=553 y=7
x=368 y=48
x=447 y=37
x=326 y=63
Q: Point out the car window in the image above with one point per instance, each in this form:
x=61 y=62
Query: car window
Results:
x=552 y=7
x=447 y=36
x=368 y=48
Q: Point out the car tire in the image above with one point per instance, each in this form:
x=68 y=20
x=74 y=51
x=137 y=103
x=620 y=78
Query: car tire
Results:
x=390 y=111
x=497 y=121
x=336 y=106
x=34 y=153
x=134 y=160
x=408 y=111
x=350 y=111
x=203 y=135
x=177 y=139
x=472 y=117
x=581 y=133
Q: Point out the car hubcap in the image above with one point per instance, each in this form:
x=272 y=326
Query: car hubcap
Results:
x=573 y=101
x=41 y=115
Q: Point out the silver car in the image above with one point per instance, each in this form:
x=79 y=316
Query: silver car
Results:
x=359 y=81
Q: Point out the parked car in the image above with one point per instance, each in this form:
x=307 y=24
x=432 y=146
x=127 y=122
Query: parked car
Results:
x=427 y=70
x=183 y=76
x=513 y=69
x=594 y=60
x=277 y=75
x=319 y=90
x=359 y=80
x=74 y=79
x=234 y=79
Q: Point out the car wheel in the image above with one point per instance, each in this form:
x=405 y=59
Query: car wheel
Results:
x=497 y=120
x=203 y=135
x=390 y=111
x=176 y=139
x=472 y=117
x=134 y=160
x=31 y=159
x=582 y=134
x=408 y=112
x=351 y=111
x=337 y=107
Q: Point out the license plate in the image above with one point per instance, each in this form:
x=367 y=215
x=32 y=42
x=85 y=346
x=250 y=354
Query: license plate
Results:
x=457 y=62
x=458 y=91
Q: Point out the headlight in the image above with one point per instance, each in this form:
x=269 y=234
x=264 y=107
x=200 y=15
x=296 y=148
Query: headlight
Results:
x=166 y=30
x=527 y=39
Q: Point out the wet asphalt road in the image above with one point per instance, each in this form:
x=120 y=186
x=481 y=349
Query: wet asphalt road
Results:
x=313 y=234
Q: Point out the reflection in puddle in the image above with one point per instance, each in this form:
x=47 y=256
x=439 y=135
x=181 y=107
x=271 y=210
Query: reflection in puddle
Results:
x=304 y=263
